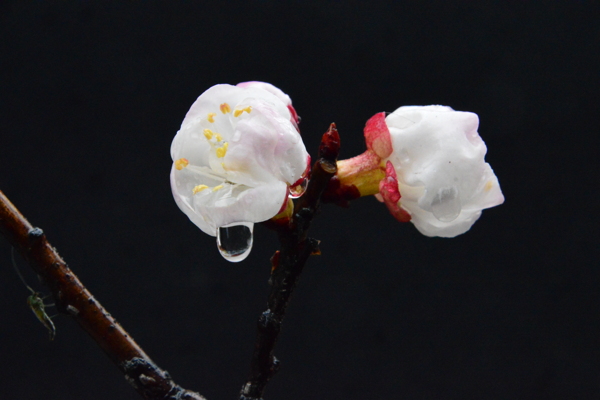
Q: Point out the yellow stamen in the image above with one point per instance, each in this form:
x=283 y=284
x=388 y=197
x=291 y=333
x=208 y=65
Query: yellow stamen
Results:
x=199 y=188
x=181 y=164
x=237 y=113
x=225 y=108
x=488 y=186
x=211 y=117
x=218 y=137
x=222 y=150
x=208 y=134
x=217 y=188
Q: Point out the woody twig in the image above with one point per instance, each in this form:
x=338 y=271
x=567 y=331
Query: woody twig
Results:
x=287 y=265
x=73 y=299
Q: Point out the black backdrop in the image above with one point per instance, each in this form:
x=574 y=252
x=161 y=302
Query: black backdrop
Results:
x=92 y=93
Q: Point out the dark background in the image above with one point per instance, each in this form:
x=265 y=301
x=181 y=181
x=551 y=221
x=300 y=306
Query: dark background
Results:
x=92 y=93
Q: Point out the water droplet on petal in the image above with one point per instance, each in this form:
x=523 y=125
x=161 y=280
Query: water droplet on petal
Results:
x=446 y=204
x=298 y=190
x=403 y=157
x=235 y=241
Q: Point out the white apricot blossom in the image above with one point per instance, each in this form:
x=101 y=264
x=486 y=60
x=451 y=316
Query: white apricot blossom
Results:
x=236 y=155
x=438 y=162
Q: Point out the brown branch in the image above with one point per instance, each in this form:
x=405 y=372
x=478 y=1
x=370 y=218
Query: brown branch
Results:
x=73 y=299
x=287 y=264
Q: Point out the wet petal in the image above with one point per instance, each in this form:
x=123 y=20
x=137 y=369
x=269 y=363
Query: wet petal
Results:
x=439 y=159
x=235 y=156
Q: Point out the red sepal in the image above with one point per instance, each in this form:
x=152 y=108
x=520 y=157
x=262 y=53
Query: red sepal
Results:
x=377 y=136
x=388 y=188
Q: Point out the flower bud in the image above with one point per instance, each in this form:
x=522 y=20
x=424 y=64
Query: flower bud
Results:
x=438 y=157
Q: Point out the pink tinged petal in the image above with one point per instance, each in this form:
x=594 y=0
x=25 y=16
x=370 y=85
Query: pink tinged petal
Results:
x=377 y=135
x=235 y=156
x=295 y=118
x=268 y=88
x=305 y=174
x=265 y=146
x=211 y=100
x=388 y=189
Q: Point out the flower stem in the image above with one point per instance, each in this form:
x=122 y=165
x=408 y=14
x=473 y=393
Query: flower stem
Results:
x=287 y=265
x=73 y=299
x=356 y=177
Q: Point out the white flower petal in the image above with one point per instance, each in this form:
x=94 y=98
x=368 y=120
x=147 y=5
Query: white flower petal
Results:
x=269 y=88
x=439 y=159
x=266 y=146
x=189 y=143
x=234 y=157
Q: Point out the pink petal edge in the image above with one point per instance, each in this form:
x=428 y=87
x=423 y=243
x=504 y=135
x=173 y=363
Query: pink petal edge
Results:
x=377 y=135
x=388 y=189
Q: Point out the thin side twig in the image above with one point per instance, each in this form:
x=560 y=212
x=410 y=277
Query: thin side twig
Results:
x=287 y=264
x=73 y=299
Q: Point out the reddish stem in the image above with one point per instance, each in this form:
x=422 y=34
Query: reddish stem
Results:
x=73 y=299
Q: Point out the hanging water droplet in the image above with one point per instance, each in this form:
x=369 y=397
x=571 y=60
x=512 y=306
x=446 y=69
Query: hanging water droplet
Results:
x=298 y=190
x=235 y=241
x=446 y=204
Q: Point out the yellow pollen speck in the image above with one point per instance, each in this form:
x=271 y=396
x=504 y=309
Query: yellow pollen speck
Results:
x=488 y=186
x=222 y=150
x=237 y=113
x=211 y=117
x=218 y=137
x=217 y=188
x=225 y=108
x=199 y=188
x=181 y=164
x=208 y=134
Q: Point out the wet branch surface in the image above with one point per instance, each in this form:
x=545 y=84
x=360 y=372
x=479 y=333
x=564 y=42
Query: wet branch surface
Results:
x=287 y=265
x=73 y=299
